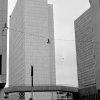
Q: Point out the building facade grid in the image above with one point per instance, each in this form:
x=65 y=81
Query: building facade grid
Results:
x=31 y=26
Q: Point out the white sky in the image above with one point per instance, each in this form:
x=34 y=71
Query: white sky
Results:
x=65 y=12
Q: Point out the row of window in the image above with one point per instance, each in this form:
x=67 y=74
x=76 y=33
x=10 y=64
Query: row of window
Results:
x=87 y=72
x=88 y=60
x=84 y=19
x=84 y=68
x=86 y=77
x=82 y=47
x=87 y=83
x=86 y=55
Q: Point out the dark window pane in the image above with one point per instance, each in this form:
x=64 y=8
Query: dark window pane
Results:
x=0 y=64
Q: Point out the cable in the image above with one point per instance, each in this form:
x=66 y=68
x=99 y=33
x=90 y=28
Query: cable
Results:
x=54 y=38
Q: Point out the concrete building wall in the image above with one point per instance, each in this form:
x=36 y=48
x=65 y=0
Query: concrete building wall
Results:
x=51 y=45
x=87 y=32
x=37 y=50
x=88 y=24
x=97 y=46
x=52 y=48
x=17 y=50
x=36 y=37
x=31 y=28
x=3 y=40
x=84 y=32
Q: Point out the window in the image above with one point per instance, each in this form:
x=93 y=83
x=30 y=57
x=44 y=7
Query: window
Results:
x=0 y=64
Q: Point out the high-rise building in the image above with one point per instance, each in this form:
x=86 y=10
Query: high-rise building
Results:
x=3 y=45
x=3 y=42
x=32 y=43
x=87 y=33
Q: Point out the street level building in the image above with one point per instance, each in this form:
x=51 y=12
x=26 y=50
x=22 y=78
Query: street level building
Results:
x=32 y=43
x=87 y=34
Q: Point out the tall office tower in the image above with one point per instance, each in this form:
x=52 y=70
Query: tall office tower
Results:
x=3 y=42
x=87 y=32
x=32 y=43
x=3 y=45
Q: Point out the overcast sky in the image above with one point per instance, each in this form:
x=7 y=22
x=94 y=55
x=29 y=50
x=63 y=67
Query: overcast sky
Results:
x=65 y=12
